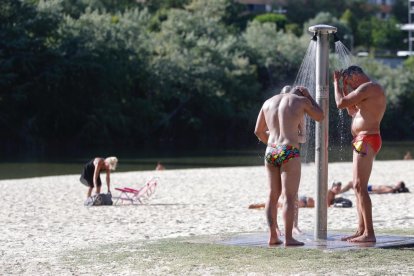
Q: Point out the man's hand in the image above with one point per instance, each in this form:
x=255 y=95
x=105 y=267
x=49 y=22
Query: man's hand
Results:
x=304 y=91
x=344 y=86
x=337 y=76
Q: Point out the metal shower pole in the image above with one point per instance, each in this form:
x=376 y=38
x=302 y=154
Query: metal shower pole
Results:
x=322 y=128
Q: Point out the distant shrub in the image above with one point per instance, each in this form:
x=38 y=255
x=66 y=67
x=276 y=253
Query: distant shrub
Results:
x=279 y=19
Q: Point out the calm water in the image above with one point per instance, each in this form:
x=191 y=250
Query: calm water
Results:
x=35 y=168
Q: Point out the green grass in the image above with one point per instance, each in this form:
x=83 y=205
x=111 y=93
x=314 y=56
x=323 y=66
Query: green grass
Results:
x=199 y=256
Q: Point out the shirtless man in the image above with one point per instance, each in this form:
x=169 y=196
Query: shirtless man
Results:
x=380 y=189
x=332 y=192
x=366 y=104
x=277 y=127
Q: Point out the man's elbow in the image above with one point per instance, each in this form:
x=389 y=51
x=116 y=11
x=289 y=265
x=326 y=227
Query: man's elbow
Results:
x=320 y=117
x=340 y=104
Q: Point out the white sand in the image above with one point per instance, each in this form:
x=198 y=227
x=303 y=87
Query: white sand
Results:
x=42 y=218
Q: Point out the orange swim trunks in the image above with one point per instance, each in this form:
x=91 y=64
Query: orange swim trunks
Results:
x=360 y=142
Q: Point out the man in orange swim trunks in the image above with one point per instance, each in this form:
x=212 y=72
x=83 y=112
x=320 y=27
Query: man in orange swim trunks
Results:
x=277 y=127
x=366 y=104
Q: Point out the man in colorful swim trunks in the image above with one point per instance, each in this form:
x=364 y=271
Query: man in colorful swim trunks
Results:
x=277 y=127
x=366 y=105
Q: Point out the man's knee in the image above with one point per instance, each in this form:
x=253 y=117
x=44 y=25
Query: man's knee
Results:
x=289 y=200
x=359 y=187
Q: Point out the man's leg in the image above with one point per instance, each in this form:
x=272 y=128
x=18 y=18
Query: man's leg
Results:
x=296 y=230
x=362 y=167
x=273 y=176
x=290 y=173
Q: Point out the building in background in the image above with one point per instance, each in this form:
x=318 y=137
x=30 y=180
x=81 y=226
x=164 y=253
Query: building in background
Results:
x=409 y=27
x=259 y=6
x=384 y=7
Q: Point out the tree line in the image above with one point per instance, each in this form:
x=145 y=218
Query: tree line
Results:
x=128 y=75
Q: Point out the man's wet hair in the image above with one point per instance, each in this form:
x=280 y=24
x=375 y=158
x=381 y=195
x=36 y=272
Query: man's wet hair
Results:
x=296 y=90
x=336 y=183
x=352 y=70
x=286 y=89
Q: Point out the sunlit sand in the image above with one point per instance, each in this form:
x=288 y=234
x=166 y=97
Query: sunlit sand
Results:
x=43 y=218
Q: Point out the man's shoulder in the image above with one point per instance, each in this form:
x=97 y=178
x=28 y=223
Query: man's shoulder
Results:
x=372 y=86
x=371 y=90
x=273 y=99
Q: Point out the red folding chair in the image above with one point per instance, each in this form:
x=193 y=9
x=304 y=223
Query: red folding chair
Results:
x=137 y=196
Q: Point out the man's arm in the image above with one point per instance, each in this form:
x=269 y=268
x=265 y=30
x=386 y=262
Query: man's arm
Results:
x=312 y=108
x=352 y=110
x=261 y=130
x=353 y=98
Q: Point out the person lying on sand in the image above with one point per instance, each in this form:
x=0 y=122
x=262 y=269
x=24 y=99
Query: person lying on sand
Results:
x=399 y=187
x=307 y=201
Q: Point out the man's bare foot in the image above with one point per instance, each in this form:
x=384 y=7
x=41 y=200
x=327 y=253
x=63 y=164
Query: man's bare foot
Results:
x=363 y=238
x=297 y=231
x=357 y=234
x=293 y=242
x=274 y=241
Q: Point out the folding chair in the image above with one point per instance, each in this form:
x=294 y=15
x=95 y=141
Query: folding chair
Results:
x=137 y=196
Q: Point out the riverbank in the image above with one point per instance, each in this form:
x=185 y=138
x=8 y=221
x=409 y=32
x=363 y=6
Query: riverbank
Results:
x=43 y=218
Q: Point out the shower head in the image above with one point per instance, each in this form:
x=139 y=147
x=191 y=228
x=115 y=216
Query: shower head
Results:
x=323 y=29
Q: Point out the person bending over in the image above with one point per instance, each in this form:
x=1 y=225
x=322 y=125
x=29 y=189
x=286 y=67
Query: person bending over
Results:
x=90 y=176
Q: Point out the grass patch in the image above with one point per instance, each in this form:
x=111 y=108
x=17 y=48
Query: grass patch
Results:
x=184 y=256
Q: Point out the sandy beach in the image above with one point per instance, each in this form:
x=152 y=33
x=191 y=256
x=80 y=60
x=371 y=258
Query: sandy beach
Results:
x=43 y=218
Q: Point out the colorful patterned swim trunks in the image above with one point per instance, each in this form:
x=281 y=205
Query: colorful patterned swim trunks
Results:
x=280 y=154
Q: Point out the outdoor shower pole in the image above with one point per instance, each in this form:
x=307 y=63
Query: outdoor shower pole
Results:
x=322 y=128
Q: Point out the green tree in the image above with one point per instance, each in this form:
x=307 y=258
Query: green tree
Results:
x=279 y=19
x=25 y=62
x=397 y=123
x=206 y=84
x=350 y=20
x=385 y=34
x=273 y=53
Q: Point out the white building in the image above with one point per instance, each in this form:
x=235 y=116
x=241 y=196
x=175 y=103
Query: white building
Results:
x=410 y=28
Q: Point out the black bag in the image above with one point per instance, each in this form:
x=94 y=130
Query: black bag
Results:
x=341 y=202
x=98 y=200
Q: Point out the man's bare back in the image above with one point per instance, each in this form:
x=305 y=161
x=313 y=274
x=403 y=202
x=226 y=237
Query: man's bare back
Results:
x=283 y=114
